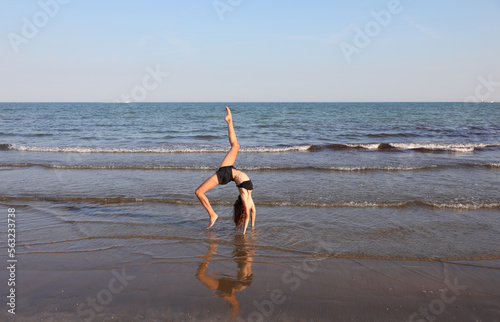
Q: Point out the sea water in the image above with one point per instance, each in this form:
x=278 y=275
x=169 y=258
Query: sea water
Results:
x=370 y=180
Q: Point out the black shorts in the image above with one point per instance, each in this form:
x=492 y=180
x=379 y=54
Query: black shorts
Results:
x=225 y=174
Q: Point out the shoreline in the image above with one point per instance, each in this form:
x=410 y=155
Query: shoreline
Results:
x=88 y=286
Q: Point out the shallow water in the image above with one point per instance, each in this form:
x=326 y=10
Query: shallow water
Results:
x=369 y=180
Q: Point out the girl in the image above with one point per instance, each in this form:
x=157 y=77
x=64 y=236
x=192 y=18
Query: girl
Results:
x=244 y=206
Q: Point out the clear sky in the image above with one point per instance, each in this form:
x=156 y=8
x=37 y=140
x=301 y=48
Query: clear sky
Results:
x=249 y=50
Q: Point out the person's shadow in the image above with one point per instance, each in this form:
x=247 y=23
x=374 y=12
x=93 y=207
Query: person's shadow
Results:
x=227 y=286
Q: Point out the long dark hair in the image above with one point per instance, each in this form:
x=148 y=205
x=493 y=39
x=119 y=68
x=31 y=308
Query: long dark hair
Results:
x=238 y=212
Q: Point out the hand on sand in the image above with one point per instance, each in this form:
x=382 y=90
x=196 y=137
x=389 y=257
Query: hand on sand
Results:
x=229 y=117
x=213 y=218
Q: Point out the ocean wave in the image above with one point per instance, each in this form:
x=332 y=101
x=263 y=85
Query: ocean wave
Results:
x=397 y=135
x=388 y=204
x=153 y=167
x=420 y=147
x=17 y=165
x=464 y=206
x=4 y=147
x=173 y=149
x=344 y=168
x=273 y=203
x=124 y=167
x=27 y=135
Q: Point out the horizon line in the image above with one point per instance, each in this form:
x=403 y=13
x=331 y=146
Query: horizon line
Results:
x=228 y=102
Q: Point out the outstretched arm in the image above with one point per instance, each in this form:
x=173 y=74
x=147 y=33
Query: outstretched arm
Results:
x=253 y=211
x=246 y=204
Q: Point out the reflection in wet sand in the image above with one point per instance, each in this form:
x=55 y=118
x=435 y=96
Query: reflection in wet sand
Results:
x=227 y=286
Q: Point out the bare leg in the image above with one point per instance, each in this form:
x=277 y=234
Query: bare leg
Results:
x=228 y=160
x=200 y=193
x=235 y=146
x=201 y=274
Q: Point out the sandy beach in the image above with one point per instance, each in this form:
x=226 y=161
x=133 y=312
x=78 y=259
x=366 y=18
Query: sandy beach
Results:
x=87 y=286
x=216 y=279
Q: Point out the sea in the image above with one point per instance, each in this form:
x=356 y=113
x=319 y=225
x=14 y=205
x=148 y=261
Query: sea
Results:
x=417 y=181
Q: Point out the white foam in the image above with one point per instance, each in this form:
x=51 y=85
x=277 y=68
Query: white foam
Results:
x=296 y=148
x=367 y=168
x=179 y=149
x=124 y=167
x=368 y=146
x=351 y=204
x=111 y=150
x=467 y=206
x=462 y=148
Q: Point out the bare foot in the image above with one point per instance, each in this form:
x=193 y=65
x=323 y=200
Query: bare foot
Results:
x=229 y=117
x=213 y=218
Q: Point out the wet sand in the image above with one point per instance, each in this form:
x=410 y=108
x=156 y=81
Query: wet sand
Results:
x=210 y=281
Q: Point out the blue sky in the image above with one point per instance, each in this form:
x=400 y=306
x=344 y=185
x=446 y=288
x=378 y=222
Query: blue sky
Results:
x=105 y=51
